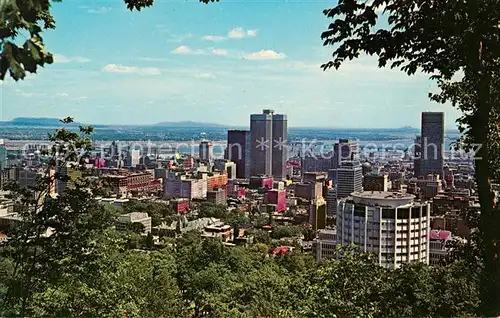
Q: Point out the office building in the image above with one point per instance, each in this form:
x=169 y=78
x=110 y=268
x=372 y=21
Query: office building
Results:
x=349 y=178
x=344 y=150
x=217 y=196
x=133 y=157
x=269 y=144
x=429 y=187
x=205 y=151
x=375 y=183
x=261 y=132
x=325 y=245
x=432 y=144
x=238 y=151
x=317 y=214
x=331 y=202
x=316 y=164
x=390 y=225
x=279 y=146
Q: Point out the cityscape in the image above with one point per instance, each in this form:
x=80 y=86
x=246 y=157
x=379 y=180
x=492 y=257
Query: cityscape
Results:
x=287 y=159
x=333 y=190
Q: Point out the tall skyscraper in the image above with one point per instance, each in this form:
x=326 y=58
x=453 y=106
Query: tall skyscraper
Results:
x=432 y=144
x=269 y=144
x=238 y=151
x=279 y=144
x=349 y=178
x=205 y=150
x=344 y=150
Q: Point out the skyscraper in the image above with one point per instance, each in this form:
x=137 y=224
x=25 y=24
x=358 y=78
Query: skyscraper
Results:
x=344 y=150
x=205 y=150
x=238 y=151
x=349 y=179
x=279 y=144
x=432 y=144
x=269 y=133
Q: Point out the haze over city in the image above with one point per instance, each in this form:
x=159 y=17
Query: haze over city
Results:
x=210 y=63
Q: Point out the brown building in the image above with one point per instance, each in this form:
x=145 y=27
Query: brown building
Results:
x=375 y=183
x=217 y=196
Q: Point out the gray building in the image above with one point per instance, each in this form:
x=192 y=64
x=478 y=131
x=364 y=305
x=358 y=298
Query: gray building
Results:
x=432 y=144
x=280 y=146
x=205 y=151
x=238 y=151
x=349 y=179
x=344 y=150
x=269 y=140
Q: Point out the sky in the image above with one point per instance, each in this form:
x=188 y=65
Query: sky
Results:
x=218 y=62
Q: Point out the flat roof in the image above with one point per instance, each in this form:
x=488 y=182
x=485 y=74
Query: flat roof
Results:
x=382 y=195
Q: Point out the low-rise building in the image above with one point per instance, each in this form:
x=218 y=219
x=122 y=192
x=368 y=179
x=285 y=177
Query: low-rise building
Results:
x=324 y=246
x=437 y=246
x=124 y=221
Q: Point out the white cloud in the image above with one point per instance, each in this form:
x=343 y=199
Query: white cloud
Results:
x=59 y=58
x=265 y=55
x=62 y=94
x=116 y=68
x=219 y=52
x=252 y=33
x=80 y=59
x=240 y=33
x=100 y=10
x=183 y=49
x=205 y=76
x=214 y=38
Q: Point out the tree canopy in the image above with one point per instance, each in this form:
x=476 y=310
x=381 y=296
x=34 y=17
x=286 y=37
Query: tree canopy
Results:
x=458 y=45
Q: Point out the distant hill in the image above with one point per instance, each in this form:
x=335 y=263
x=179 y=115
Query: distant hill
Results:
x=189 y=124
x=35 y=121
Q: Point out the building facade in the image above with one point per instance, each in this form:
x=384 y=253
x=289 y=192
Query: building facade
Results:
x=390 y=225
x=432 y=144
x=238 y=151
x=349 y=179
x=269 y=144
x=205 y=151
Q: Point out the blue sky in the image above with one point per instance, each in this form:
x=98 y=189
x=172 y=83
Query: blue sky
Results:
x=184 y=60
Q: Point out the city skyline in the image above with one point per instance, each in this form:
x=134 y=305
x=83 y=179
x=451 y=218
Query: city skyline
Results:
x=189 y=61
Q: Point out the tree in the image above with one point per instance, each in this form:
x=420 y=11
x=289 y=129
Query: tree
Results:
x=33 y=17
x=55 y=236
x=445 y=39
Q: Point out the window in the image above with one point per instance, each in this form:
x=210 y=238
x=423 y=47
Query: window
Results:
x=388 y=213
x=403 y=213
x=415 y=212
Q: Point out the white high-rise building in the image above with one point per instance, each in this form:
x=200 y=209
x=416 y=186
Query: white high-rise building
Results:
x=388 y=224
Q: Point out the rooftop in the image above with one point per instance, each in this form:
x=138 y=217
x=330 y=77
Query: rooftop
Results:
x=381 y=195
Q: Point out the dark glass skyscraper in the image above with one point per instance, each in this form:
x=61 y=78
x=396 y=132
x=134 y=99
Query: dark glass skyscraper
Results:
x=280 y=146
x=269 y=144
x=238 y=151
x=432 y=144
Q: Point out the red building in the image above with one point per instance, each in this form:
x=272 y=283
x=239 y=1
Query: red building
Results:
x=277 y=197
x=181 y=206
x=261 y=182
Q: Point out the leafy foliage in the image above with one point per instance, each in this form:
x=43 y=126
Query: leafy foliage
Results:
x=457 y=44
x=28 y=19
